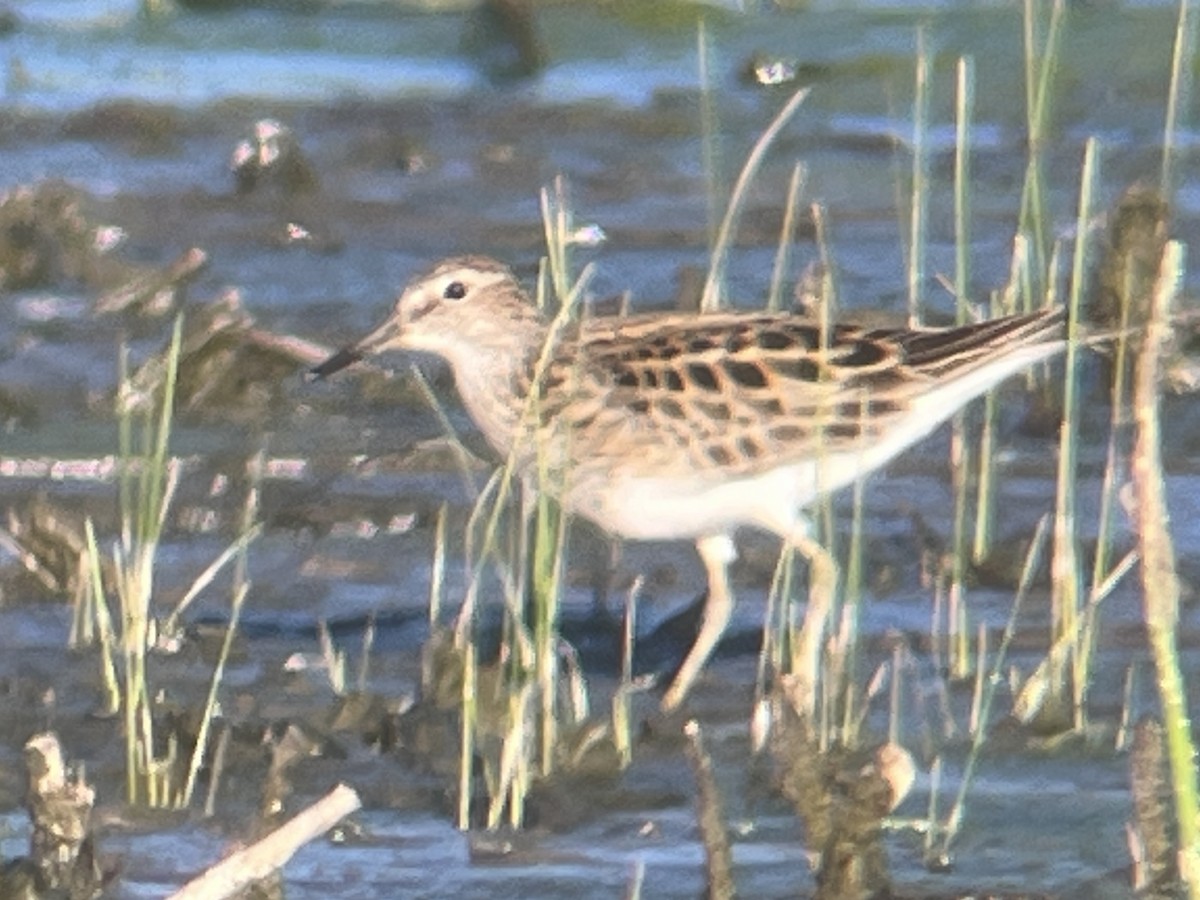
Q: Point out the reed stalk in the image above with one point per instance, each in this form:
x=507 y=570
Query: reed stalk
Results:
x=919 y=206
x=1067 y=590
x=147 y=483
x=1041 y=65
x=1182 y=64
x=1028 y=571
x=712 y=298
x=787 y=235
x=1160 y=581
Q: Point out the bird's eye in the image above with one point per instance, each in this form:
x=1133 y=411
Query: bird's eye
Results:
x=455 y=290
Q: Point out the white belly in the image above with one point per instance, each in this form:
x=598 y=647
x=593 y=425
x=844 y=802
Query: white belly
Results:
x=690 y=505
x=661 y=508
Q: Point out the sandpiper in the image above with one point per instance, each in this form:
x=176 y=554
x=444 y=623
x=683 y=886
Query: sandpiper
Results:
x=674 y=426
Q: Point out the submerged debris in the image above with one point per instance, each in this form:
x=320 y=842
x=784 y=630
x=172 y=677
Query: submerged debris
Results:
x=271 y=164
x=254 y=871
x=47 y=240
x=718 y=855
x=228 y=369
x=1128 y=274
x=1137 y=232
x=140 y=127
x=841 y=795
x=154 y=292
x=44 y=236
x=62 y=860
x=1152 y=839
x=48 y=542
x=771 y=70
x=271 y=158
x=15 y=410
x=502 y=39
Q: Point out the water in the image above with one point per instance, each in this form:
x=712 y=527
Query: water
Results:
x=371 y=88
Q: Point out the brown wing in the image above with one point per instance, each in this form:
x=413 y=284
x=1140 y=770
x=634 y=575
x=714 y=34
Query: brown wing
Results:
x=740 y=392
x=941 y=352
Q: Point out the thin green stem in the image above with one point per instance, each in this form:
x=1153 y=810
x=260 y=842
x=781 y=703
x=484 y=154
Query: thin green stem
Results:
x=920 y=188
x=711 y=299
x=1177 y=96
x=787 y=234
x=1160 y=581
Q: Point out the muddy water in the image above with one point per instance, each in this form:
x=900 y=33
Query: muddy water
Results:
x=419 y=148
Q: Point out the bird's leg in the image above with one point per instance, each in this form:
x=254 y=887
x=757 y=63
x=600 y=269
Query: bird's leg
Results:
x=716 y=552
x=604 y=576
x=806 y=654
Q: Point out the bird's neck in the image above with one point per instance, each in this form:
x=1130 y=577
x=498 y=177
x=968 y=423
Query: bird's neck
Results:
x=493 y=379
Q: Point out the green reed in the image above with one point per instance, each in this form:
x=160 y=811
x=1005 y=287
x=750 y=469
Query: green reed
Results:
x=710 y=149
x=1182 y=68
x=622 y=706
x=949 y=831
x=1043 y=46
x=961 y=455
x=964 y=113
x=919 y=206
x=97 y=609
x=241 y=588
x=145 y=494
x=501 y=710
x=1003 y=302
x=1160 y=581
x=1118 y=420
x=1066 y=598
x=146 y=486
x=468 y=727
x=848 y=634
x=712 y=297
x=787 y=235
x=776 y=631
x=826 y=314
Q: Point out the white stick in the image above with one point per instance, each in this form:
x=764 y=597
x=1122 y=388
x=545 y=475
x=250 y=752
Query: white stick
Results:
x=261 y=859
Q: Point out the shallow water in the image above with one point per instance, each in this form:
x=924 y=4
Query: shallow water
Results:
x=419 y=155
